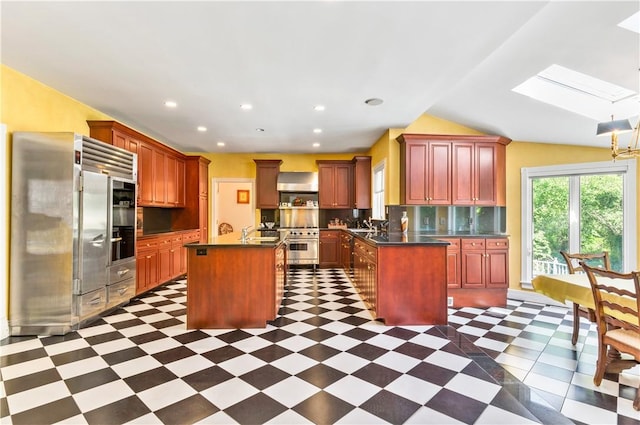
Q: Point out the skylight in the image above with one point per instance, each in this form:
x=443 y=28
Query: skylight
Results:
x=580 y=93
x=632 y=23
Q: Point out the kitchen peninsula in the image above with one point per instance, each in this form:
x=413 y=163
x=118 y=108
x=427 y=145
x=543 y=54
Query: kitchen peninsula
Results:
x=239 y=283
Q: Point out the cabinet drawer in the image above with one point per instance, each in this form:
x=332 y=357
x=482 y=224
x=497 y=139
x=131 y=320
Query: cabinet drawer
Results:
x=164 y=242
x=147 y=245
x=472 y=243
x=498 y=243
x=121 y=292
x=454 y=244
x=176 y=241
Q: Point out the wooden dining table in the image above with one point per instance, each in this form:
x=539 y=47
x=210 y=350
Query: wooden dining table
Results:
x=577 y=289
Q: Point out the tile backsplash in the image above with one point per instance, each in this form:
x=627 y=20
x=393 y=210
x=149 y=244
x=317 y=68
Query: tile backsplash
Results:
x=449 y=219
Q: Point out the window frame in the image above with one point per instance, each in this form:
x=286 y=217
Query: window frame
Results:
x=625 y=167
x=379 y=167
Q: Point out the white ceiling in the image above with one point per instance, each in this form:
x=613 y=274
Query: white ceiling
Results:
x=455 y=60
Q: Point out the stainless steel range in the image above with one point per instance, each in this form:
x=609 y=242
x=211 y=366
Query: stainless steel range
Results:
x=299 y=216
x=303 y=246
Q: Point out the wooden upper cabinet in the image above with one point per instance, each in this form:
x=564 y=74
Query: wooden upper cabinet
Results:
x=362 y=182
x=145 y=175
x=267 y=171
x=175 y=178
x=161 y=169
x=334 y=184
x=203 y=176
x=425 y=176
x=476 y=174
x=452 y=170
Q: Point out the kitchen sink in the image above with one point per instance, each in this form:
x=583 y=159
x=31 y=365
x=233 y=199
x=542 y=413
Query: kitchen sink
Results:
x=373 y=231
x=264 y=238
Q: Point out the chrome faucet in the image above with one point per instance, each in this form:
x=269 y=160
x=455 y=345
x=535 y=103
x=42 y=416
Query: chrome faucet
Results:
x=244 y=234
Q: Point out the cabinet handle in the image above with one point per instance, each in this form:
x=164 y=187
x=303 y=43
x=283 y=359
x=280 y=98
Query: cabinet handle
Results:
x=148 y=256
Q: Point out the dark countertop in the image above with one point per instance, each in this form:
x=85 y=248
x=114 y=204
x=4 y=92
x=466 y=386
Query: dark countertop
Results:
x=417 y=238
x=254 y=239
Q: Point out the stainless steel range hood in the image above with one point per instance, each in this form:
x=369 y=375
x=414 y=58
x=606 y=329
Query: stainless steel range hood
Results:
x=297 y=181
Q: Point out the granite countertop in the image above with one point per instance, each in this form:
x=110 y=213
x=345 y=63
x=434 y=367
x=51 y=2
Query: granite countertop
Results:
x=254 y=239
x=416 y=238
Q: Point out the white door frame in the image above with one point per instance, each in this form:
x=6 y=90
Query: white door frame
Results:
x=4 y=236
x=213 y=232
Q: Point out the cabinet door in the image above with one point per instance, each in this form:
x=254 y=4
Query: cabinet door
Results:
x=326 y=183
x=146 y=271
x=342 y=187
x=416 y=174
x=203 y=178
x=362 y=183
x=485 y=174
x=280 y=278
x=164 y=264
x=159 y=178
x=473 y=263
x=329 y=248
x=266 y=183
x=463 y=184
x=203 y=218
x=145 y=175
x=497 y=273
x=454 y=279
x=180 y=182
x=171 y=183
x=439 y=173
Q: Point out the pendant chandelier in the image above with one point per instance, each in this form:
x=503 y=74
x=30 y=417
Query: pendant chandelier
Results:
x=615 y=127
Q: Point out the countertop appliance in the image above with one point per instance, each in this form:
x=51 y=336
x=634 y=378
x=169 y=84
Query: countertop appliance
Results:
x=72 y=231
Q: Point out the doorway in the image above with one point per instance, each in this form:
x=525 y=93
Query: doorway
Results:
x=233 y=203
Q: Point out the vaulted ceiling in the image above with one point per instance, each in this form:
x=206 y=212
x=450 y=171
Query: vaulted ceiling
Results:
x=456 y=60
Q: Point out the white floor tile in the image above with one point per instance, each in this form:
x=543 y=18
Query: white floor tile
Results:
x=587 y=414
x=242 y=364
x=291 y=391
x=427 y=416
x=38 y=396
x=135 y=366
x=495 y=416
x=397 y=361
x=345 y=362
x=229 y=392
x=413 y=389
x=359 y=416
x=352 y=390
x=448 y=360
x=102 y=395
x=547 y=384
x=166 y=394
x=475 y=388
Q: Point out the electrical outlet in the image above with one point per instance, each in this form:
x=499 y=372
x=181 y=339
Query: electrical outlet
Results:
x=449 y=301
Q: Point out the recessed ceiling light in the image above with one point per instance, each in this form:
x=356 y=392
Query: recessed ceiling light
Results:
x=246 y=106
x=374 y=101
x=202 y=128
x=318 y=108
x=220 y=144
x=317 y=130
x=259 y=129
x=316 y=145
x=170 y=104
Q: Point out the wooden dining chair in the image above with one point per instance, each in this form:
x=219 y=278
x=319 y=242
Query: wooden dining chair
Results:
x=573 y=264
x=615 y=333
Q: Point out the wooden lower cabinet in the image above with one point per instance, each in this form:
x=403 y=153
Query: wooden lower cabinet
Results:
x=162 y=258
x=234 y=286
x=477 y=271
x=346 y=251
x=146 y=268
x=402 y=284
x=329 y=248
x=280 y=277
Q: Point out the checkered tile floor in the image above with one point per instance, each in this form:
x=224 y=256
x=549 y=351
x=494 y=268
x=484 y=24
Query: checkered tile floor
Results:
x=322 y=361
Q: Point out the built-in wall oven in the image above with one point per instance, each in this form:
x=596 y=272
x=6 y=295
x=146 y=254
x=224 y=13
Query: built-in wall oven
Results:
x=122 y=262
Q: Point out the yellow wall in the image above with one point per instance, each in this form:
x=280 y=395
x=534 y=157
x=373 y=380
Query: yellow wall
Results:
x=28 y=105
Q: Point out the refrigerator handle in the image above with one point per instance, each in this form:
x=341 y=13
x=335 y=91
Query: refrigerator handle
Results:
x=98 y=240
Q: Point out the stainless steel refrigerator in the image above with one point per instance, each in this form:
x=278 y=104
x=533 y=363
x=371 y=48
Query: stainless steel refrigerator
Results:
x=64 y=270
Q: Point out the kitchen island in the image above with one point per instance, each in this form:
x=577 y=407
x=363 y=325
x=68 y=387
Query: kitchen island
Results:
x=235 y=283
x=402 y=277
